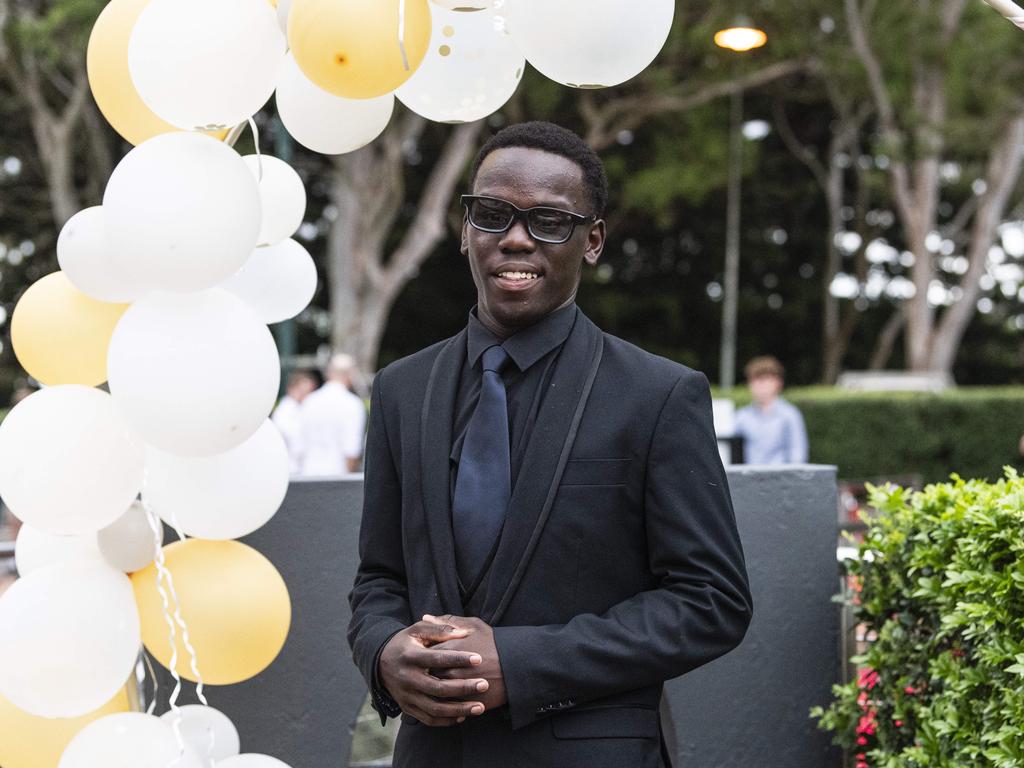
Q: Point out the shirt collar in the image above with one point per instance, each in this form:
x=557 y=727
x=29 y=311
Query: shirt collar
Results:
x=528 y=345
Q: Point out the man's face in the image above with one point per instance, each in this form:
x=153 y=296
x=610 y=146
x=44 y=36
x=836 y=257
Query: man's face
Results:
x=527 y=178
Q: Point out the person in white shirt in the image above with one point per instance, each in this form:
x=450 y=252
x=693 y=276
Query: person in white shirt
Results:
x=333 y=423
x=286 y=415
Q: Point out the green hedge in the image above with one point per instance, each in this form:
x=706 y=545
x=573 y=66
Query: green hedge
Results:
x=974 y=431
x=940 y=583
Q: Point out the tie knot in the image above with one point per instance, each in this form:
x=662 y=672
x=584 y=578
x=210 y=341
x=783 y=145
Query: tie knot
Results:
x=495 y=358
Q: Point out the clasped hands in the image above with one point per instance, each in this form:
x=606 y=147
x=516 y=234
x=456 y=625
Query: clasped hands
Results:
x=443 y=669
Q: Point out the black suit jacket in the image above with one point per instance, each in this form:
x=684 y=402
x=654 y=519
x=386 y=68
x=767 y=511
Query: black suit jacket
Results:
x=619 y=566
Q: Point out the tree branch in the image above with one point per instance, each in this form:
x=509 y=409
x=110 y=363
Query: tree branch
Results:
x=887 y=338
x=428 y=227
x=797 y=148
x=1002 y=175
x=605 y=121
x=884 y=105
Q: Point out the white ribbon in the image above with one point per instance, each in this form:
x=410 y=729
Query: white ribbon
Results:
x=174 y=620
x=1010 y=10
x=401 y=34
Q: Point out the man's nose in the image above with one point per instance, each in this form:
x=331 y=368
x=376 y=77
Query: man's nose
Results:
x=517 y=237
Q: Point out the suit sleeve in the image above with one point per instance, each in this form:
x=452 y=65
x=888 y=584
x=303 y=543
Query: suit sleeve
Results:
x=379 y=598
x=700 y=607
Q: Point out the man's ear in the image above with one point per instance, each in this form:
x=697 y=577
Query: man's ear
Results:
x=595 y=242
x=464 y=246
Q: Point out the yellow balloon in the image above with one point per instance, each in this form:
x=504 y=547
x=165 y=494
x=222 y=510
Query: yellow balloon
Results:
x=106 y=64
x=60 y=335
x=27 y=741
x=350 y=47
x=234 y=602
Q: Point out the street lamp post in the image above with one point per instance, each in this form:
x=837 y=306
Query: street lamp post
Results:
x=739 y=38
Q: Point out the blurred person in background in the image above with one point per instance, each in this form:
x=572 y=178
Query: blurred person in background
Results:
x=333 y=423
x=286 y=415
x=773 y=430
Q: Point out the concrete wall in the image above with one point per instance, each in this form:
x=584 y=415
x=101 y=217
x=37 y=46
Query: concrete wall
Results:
x=749 y=708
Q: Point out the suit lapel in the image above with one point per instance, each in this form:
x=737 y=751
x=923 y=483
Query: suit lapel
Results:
x=435 y=446
x=544 y=462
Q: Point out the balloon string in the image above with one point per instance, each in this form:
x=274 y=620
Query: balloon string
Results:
x=164 y=574
x=401 y=34
x=500 y=23
x=161 y=568
x=256 y=142
x=193 y=659
x=156 y=684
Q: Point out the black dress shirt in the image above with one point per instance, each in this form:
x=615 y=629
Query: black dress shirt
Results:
x=534 y=353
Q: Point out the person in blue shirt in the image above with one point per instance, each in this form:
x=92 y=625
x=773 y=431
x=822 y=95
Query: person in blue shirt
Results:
x=772 y=428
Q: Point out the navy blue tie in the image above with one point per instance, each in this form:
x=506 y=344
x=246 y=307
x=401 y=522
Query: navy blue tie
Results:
x=484 y=482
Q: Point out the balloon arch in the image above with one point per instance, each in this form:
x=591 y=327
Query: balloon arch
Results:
x=164 y=293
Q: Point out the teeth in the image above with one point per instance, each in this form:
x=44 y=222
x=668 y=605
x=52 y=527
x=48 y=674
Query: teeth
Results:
x=519 y=275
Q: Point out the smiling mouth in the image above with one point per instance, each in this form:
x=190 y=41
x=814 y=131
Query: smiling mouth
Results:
x=509 y=275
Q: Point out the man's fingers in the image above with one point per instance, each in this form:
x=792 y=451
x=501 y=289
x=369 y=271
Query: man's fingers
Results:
x=431 y=632
x=450 y=689
x=454 y=673
x=428 y=658
x=445 y=710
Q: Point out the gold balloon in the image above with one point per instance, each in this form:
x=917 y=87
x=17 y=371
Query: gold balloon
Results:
x=106 y=64
x=60 y=335
x=350 y=47
x=234 y=602
x=27 y=741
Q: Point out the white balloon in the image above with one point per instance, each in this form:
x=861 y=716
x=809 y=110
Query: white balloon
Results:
x=86 y=257
x=194 y=374
x=182 y=212
x=611 y=40
x=68 y=461
x=284 y=7
x=282 y=194
x=35 y=549
x=251 y=761
x=208 y=731
x=69 y=639
x=465 y=5
x=205 y=63
x=226 y=496
x=128 y=740
x=128 y=543
x=471 y=69
x=324 y=122
x=277 y=281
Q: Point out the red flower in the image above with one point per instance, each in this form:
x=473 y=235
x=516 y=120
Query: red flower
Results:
x=867 y=678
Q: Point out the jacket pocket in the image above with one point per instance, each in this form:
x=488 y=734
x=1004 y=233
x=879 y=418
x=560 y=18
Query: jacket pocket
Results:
x=596 y=472
x=606 y=723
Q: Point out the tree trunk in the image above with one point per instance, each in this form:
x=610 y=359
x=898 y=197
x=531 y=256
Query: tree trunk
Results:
x=367 y=191
x=886 y=341
x=1001 y=178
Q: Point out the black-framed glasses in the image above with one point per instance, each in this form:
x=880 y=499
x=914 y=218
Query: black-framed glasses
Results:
x=546 y=224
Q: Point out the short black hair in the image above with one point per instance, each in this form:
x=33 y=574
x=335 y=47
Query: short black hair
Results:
x=558 y=141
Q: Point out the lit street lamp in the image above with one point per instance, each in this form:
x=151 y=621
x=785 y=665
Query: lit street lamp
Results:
x=740 y=37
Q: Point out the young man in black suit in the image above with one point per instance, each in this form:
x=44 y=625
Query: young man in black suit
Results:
x=547 y=532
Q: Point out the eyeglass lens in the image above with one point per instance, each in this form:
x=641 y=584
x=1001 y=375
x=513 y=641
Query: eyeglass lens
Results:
x=542 y=223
